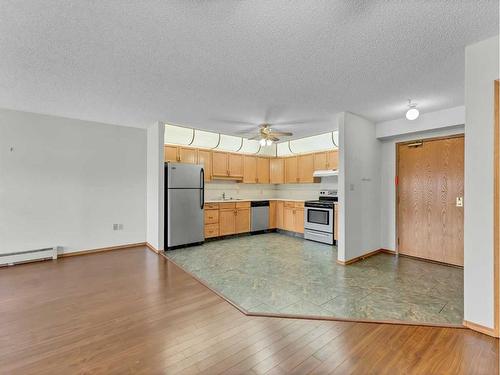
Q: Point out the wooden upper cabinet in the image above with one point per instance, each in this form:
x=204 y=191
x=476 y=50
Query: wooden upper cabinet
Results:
x=320 y=161
x=171 y=153
x=235 y=164
x=249 y=169
x=263 y=170
x=188 y=155
x=254 y=169
x=291 y=176
x=332 y=159
x=220 y=164
x=205 y=159
x=305 y=168
x=225 y=164
x=277 y=171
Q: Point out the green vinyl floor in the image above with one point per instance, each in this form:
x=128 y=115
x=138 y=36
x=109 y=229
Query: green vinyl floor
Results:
x=276 y=273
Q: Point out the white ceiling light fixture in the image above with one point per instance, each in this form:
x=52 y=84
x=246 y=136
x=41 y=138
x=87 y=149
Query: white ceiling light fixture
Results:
x=269 y=142
x=262 y=142
x=412 y=113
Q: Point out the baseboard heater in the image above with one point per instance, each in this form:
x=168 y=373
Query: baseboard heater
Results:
x=9 y=259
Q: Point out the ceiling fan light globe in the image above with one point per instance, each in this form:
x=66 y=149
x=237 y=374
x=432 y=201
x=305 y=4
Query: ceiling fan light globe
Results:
x=412 y=114
x=269 y=142
x=262 y=142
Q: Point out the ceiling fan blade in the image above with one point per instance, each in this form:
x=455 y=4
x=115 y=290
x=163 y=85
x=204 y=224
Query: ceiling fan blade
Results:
x=274 y=139
x=230 y=121
x=283 y=134
x=297 y=122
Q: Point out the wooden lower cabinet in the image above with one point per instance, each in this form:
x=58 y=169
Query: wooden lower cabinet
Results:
x=272 y=214
x=224 y=219
x=233 y=218
x=293 y=217
x=211 y=215
x=242 y=220
x=227 y=219
x=288 y=218
x=299 y=220
x=211 y=230
x=279 y=214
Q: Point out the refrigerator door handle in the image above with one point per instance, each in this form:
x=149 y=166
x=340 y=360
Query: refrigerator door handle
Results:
x=202 y=188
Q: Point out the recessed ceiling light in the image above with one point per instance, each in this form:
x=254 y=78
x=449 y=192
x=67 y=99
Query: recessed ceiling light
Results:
x=412 y=113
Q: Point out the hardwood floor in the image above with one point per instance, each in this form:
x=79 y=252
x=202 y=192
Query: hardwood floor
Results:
x=131 y=311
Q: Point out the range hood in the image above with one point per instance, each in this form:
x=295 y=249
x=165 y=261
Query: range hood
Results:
x=326 y=173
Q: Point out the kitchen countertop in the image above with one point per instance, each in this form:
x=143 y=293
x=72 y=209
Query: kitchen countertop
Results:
x=253 y=200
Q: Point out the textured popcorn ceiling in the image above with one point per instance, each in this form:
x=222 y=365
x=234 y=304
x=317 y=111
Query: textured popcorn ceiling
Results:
x=200 y=62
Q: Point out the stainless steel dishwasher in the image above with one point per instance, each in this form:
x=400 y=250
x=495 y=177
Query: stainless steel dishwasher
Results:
x=260 y=215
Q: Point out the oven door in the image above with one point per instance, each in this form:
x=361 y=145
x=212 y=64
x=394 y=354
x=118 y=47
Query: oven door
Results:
x=320 y=219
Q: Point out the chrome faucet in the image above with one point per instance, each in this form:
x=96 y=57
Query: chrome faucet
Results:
x=223 y=196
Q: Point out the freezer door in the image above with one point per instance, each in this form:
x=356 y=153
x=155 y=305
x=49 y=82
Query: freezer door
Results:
x=184 y=217
x=186 y=176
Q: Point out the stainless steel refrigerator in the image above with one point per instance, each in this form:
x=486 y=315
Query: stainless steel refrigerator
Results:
x=184 y=201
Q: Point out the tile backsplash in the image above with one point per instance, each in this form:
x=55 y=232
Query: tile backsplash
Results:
x=214 y=190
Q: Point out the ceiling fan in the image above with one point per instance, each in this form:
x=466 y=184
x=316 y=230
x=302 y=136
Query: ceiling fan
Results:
x=267 y=135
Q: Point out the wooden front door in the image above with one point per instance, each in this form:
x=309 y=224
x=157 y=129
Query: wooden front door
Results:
x=430 y=199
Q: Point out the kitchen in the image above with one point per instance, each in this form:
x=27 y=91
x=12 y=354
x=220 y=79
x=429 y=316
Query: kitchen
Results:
x=238 y=188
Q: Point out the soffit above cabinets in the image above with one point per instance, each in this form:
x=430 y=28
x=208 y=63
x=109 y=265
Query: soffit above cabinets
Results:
x=320 y=142
x=180 y=135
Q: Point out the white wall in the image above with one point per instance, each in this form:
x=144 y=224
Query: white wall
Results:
x=449 y=117
x=388 y=174
x=65 y=182
x=359 y=187
x=155 y=186
x=481 y=69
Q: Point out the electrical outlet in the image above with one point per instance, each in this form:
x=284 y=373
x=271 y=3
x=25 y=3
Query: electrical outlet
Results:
x=120 y=226
x=116 y=226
